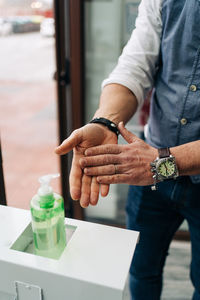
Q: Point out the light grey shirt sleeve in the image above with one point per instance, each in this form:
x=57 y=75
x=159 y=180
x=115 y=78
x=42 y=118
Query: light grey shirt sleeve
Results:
x=138 y=62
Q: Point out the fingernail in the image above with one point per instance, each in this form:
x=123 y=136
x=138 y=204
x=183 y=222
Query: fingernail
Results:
x=56 y=149
x=93 y=199
x=84 y=202
x=121 y=124
x=82 y=162
x=87 y=152
x=99 y=179
x=75 y=193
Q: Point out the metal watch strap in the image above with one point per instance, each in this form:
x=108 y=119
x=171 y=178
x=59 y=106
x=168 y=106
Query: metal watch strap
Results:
x=109 y=124
x=163 y=152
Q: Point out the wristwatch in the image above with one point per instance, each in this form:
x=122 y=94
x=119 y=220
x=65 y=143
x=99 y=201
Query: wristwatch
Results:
x=164 y=167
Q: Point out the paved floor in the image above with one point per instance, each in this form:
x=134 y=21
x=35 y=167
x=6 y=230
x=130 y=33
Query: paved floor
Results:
x=177 y=285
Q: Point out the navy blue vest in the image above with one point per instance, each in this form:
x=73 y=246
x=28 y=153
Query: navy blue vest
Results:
x=175 y=105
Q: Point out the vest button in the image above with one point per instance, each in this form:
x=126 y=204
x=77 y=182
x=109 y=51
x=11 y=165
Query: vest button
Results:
x=183 y=121
x=193 y=88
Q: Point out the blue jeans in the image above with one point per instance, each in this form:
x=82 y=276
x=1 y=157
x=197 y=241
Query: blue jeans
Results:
x=157 y=215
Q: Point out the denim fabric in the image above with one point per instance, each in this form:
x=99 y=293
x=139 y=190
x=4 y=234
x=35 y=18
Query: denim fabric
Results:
x=157 y=215
x=179 y=68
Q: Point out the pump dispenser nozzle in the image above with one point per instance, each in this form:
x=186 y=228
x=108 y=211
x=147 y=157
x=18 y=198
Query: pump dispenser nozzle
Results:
x=45 y=192
x=45 y=188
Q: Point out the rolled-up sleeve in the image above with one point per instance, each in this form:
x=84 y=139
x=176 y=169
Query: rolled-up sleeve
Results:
x=139 y=60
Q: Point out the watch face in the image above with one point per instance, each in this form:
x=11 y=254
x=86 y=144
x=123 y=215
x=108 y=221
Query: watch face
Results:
x=166 y=168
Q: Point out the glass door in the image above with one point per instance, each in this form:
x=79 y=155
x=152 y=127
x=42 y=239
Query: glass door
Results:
x=107 y=27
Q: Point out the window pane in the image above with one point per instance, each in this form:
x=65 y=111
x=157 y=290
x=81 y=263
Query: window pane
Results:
x=28 y=97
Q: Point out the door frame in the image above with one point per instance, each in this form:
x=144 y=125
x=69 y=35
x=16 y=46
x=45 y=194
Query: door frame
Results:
x=70 y=94
x=2 y=184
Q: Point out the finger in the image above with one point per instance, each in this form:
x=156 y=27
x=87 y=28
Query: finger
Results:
x=104 y=170
x=75 y=179
x=72 y=141
x=94 y=195
x=105 y=189
x=107 y=170
x=99 y=160
x=127 y=135
x=85 y=191
x=118 y=178
x=103 y=149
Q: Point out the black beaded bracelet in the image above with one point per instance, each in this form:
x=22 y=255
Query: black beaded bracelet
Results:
x=109 y=124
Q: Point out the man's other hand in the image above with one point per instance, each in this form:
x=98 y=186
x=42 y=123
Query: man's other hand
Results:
x=128 y=163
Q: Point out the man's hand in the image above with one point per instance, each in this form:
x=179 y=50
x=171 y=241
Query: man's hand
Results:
x=82 y=186
x=121 y=163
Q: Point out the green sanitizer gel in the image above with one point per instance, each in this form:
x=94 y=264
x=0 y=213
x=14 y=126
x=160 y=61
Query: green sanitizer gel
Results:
x=47 y=212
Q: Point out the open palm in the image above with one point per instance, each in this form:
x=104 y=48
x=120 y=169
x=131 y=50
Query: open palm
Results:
x=82 y=187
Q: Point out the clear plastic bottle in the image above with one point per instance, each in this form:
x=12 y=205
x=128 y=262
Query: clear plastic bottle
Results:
x=47 y=211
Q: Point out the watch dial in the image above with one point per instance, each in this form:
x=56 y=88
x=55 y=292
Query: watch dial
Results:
x=167 y=168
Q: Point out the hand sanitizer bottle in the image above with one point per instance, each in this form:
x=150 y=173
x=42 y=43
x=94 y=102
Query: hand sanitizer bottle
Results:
x=47 y=212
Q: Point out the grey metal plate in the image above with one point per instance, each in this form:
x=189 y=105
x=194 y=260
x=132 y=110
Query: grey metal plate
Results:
x=27 y=291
